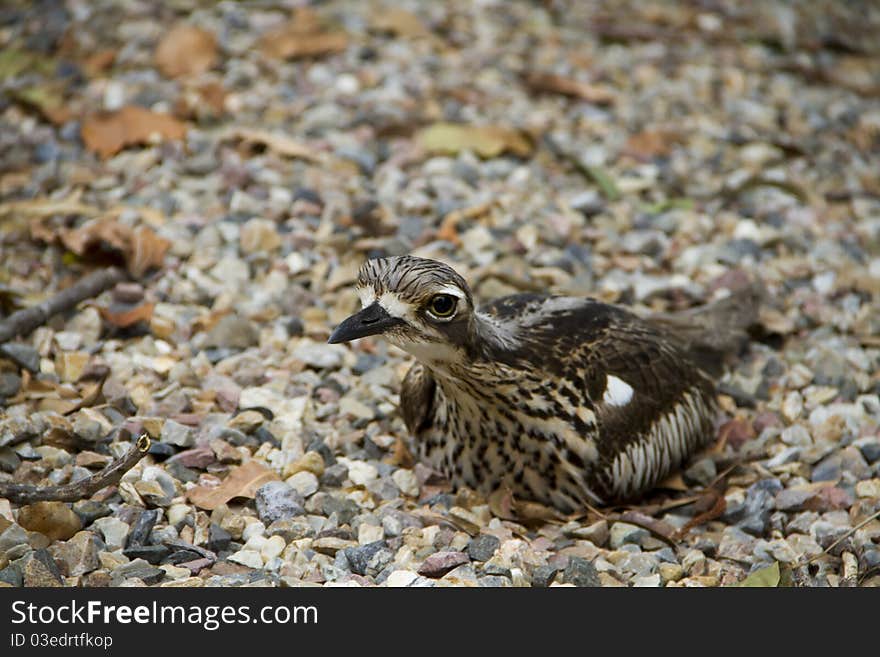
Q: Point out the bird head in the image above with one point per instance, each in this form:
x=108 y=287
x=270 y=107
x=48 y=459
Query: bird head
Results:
x=420 y=305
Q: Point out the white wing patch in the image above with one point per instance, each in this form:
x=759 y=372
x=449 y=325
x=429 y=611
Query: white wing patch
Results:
x=617 y=392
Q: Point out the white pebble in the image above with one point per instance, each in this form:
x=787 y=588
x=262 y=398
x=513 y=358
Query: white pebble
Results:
x=247 y=558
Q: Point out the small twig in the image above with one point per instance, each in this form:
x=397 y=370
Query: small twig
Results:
x=82 y=489
x=840 y=540
x=24 y=321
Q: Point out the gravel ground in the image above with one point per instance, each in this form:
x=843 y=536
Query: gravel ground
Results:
x=244 y=164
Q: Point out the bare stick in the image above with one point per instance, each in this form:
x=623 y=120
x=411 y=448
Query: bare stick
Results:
x=24 y=321
x=82 y=489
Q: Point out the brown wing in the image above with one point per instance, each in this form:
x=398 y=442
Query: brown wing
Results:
x=417 y=398
x=666 y=410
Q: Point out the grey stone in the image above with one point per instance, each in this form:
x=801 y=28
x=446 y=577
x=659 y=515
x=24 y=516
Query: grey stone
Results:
x=11 y=575
x=219 y=539
x=142 y=527
x=361 y=558
x=175 y=433
x=291 y=529
x=91 y=510
x=701 y=472
x=137 y=568
x=233 y=332
x=9 y=384
x=496 y=581
x=581 y=572
x=22 y=355
x=9 y=460
x=542 y=576
x=482 y=547
x=153 y=554
x=623 y=532
x=278 y=501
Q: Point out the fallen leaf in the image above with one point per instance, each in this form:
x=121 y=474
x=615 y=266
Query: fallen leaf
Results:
x=399 y=22
x=243 y=481
x=97 y=233
x=186 y=50
x=276 y=142
x=47 y=100
x=550 y=83
x=107 y=133
x=674 y=482
x=772 y=576
x=304 y=36
x=14 y=62
x=214 y=94
x=648 y=144
x=504 y=505
x=487 y=141
x=146 y=251
x=140 y=248
x=127 y=315
x=99 y=62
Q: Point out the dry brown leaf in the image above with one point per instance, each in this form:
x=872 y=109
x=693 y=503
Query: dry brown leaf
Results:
x=304 y=36
x=243 y=481
x=107 y=133
x=96 y=233
x=48 y=100
x=276 y=142
x=99 y=62
x=486 y=141
x=186 y=50
x=674 y=482
x=213 y=95
x=141 y=248
x=503 y=504
x=556 y=84
x=127 y=316
x=649 y=144
x=146 y=250
x=399 y=22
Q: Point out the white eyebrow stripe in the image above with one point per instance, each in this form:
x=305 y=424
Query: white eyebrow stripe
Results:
x=617 y=392
x=394 y=306
x=367 y=295
x=452 y=290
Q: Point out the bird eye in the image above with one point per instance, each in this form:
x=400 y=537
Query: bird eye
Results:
x=442 y=305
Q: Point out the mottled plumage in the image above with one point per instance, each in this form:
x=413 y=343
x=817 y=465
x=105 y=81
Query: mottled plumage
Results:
x=563 y=400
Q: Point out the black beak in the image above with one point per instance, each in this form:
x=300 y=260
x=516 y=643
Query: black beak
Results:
x=372 y=320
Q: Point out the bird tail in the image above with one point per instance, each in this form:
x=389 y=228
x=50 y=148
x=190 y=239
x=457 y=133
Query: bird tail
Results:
x=714 y=333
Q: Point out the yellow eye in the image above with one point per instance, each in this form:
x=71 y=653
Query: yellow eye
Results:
x=442 y=305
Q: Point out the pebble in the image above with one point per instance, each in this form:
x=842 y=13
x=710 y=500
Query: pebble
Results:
x=9 y=384
x=277 y=500
x=304 y=482
x=114 y=532
x=175 y=433
x=482 y=547
x=79 y=555
x=440 y=563
x=406 y=481
x=360 y=472
x=622 y=533
x=55 y=520
x=38 y=569
x=359 y=558
x=580 y=572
